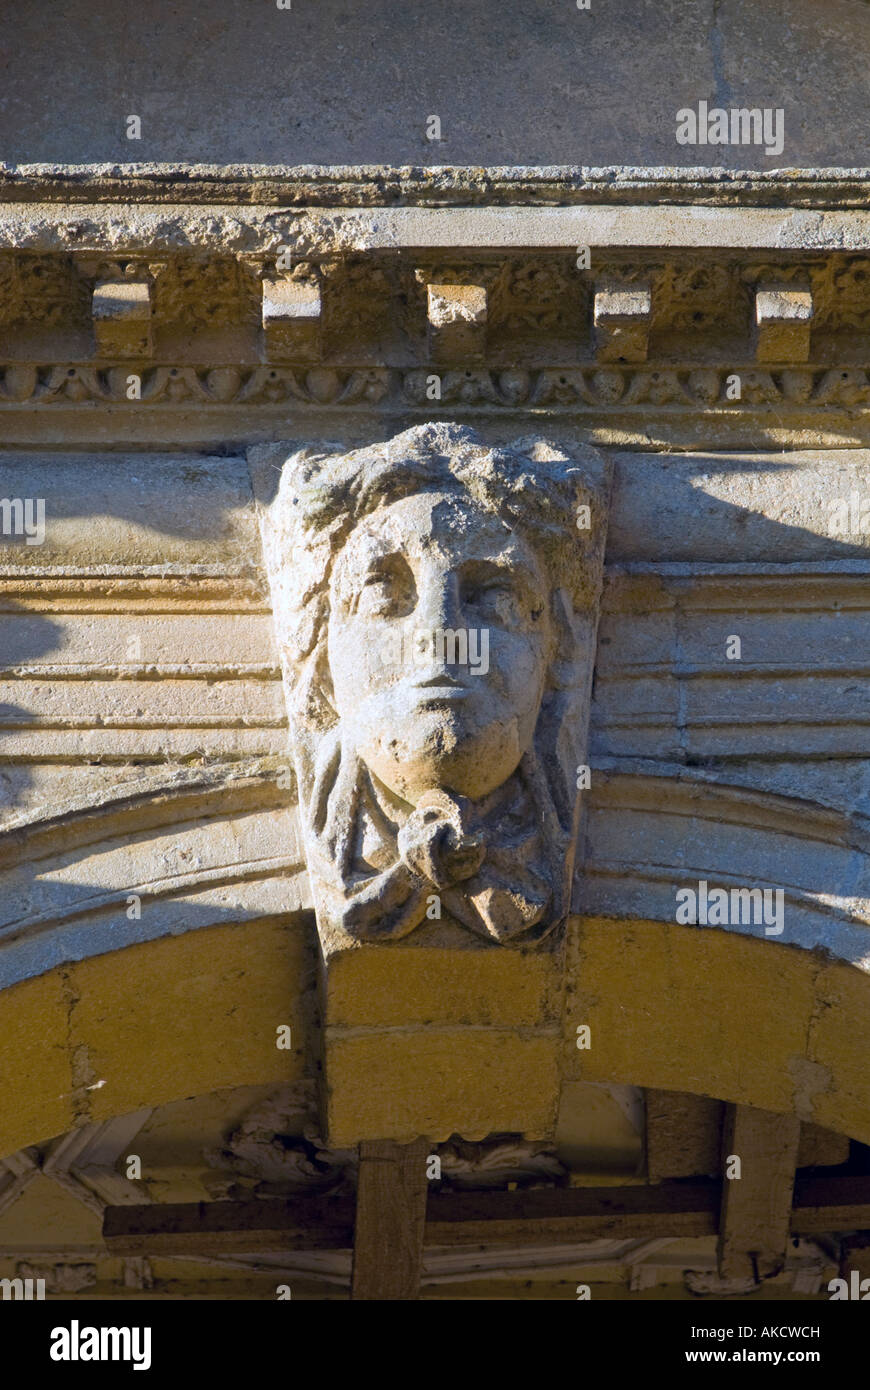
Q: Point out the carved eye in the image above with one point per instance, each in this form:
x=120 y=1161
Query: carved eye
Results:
x=387 y=590
x=491 y=594
x=482 y=592
x=501 y=596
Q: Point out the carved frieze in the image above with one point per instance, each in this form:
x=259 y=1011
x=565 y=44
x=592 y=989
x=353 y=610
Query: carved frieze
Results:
x=207 y=306
x=41 y=289
x=503 y=1160
x=220 y=337
x=611 y=388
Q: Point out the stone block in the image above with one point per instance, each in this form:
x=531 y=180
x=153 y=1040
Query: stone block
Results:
x=740 y=507
x=382 y=987
x=462 y=1041
x=457 y=317
x=622 y=316
x=440 y=1081
x=122 y=318
x=783 y=318
x=188 y=1013
x=292 y=316
x=36 y=1070
x=685 y=1009
x=153 y=509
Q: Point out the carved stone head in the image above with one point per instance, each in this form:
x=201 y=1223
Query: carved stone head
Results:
x=435 y=603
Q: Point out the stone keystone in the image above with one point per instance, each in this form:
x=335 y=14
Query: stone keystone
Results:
x=443 y=766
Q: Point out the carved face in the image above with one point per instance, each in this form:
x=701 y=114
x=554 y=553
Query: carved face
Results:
x=439 y=642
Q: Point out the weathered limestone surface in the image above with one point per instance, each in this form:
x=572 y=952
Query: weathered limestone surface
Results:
x=215 y=770
x=137 y=636
x=602 y=84
x=671 y=1007
x=433 y=636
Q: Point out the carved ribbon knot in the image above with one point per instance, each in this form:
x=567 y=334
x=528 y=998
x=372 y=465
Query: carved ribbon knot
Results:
x=434 y=845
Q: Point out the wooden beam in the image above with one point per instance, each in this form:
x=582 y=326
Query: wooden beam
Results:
x=545 y=1216
x=560 y=1216
x=204 y=1228
x=831 y=1204
x=684 y=1138
x=759 y=1156
x=539 y=1217
x=683 y=1135
x=390 y=1220
x=564 y=1216
x=822 y=1148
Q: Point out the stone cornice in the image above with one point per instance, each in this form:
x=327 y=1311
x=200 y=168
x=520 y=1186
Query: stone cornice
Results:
x=139 y=228
x=618 y=315
x=445 y=185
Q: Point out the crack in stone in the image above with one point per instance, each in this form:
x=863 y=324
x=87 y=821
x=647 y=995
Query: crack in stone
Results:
x=81 y=1071
x=811 y=1079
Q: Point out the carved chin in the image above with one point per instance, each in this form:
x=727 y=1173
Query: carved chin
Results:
x=468 y=764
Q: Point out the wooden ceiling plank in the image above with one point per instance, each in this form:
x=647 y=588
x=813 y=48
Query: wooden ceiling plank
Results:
x=309 y=1223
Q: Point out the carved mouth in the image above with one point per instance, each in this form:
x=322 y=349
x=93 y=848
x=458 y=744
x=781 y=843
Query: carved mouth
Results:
x=440 y=688
x=442 y=695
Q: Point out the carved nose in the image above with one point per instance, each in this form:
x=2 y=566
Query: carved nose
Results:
x=439 y=606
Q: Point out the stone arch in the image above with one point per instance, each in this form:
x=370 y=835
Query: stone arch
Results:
x=152 y=1023
x=104 y=1010
x=672 y=1007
